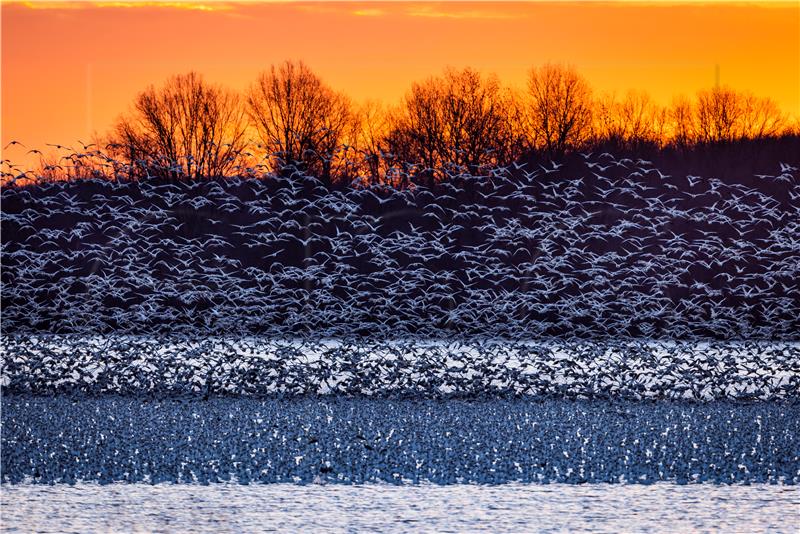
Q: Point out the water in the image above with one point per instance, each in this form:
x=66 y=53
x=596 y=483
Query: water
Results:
x=382 y=508
x=111 y=439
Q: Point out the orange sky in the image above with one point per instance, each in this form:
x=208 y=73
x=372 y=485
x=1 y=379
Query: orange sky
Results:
x=69 y=69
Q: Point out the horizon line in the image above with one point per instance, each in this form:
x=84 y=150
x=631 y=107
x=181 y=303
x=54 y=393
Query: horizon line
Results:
x=168 y=3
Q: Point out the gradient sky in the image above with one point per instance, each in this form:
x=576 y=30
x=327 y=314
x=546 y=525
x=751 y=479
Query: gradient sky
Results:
x=69 y=69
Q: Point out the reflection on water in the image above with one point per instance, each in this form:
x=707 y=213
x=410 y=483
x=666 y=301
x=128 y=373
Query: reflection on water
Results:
x=382 y=508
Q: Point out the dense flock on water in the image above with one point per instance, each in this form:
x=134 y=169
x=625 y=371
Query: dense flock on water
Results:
x=340 y=440
x=164 y=367
x=603 y=247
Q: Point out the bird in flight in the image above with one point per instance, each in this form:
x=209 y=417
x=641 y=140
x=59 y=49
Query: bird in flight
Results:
x=12 y=143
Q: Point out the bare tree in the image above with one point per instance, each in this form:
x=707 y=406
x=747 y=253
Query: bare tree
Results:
x=718 y=115
x=632 y=122
x=300 y=120
x=558 y=109
x=761 y=118
x=724 y=115
x=458 y=122
x=682 y=131
x=185 y=128
x=370 y=141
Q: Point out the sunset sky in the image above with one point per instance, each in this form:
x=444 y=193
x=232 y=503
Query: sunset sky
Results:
x=69 y=68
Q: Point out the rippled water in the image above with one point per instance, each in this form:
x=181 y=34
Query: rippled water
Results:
x=382 y=508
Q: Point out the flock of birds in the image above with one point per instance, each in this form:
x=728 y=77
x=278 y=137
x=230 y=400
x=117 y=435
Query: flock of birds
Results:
x=151 y=367
x=607 y=248
x=338 y=440
x=149 y=303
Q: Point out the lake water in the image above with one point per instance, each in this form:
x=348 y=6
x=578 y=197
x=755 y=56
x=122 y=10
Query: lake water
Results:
x=661 y=507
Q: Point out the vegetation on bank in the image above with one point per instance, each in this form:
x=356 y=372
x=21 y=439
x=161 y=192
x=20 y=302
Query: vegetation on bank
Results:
x=461 y=122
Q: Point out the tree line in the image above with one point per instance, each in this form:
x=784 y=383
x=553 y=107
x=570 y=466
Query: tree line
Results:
x=461 y=121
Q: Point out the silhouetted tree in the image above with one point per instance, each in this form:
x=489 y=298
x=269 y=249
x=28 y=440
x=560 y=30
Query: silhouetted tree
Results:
x=723 y=115
x=761 y=118
x=718 y=115
x=186 y=128
x=557 y=109
x=682 y=130
x=632 y=123
x=300 y=120
x=370 y=141
x=455 y=122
